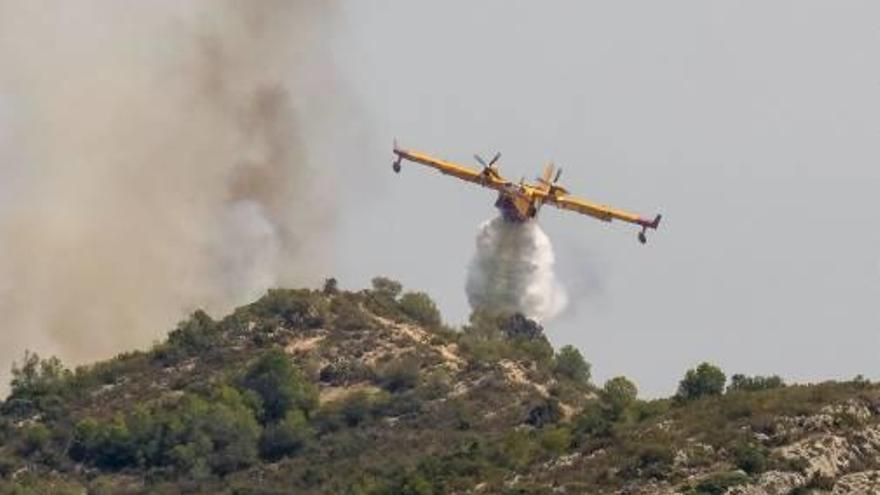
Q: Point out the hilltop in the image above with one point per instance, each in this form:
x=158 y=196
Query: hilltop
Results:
x=368 y=392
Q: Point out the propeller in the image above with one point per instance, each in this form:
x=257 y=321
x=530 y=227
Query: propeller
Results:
x=491 y=162
x=556 y=178
x=552 y=185
x=495 y=158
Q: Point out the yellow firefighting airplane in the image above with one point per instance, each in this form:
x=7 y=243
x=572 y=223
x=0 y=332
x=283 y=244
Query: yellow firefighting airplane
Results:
x=520 y=202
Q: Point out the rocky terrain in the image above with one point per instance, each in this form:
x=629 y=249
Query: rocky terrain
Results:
x=328 y=391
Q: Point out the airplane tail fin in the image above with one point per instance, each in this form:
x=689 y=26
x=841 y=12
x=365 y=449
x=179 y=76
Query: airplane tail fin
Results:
x=547 y=174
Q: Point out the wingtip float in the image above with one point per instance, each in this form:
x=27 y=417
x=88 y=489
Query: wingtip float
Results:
x=521 y=201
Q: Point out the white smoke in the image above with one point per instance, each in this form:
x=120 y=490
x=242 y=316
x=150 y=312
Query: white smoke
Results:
x=249 y=250
x=154 y=159
x=512 y=271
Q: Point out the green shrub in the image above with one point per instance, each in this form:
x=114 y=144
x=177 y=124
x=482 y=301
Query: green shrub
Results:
x=217 y=432
x=349 y=316
x=386 y=287
x=35 y=439
x=516 y=450
x=285 y=437
x=8 y=465
x=400 y=375
x=819 y=482
x=619 y=394
x=294 y=308
x=547 y=412
x=108 y=445
x=749 y=458
x=420 y=307
x=382 y=299
x=436 y=385
x=345 y=371
x=643 y=410
x=649 y=459
x=403 y=404
x=556 y=440
x=571 y=365
x=415 y=484
x=110 y=372
x=192 y=337
x=356 y=408
x=719 y=483
x=226 y=422
x=483 y=324
x=592 y=422
x=702 y=381
x=280 y=385
x=483 y=352
x=352 y=410
x=537 y=350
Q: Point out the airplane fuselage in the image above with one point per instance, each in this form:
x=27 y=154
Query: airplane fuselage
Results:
x=517 y=205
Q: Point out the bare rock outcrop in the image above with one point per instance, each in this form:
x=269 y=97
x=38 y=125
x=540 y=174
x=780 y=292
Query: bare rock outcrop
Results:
x=863 y=483
x=771 y=483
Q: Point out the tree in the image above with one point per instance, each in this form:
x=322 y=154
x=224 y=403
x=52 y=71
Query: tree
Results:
x=216 y=432
x=195 y=335
x=703 y=381
x=37 y=376
x=571 y=365
x=37 y=385
x=420 y=307
x=387 y=287
x=219 y=428
x=754 y=383
x=619 y=393
x=280 y=385
x=331 y=287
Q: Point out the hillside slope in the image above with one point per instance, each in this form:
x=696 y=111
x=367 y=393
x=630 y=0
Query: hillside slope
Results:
x=366 y=392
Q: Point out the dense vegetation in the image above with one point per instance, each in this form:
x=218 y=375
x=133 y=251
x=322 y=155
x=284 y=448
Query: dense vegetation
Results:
x=328 y=391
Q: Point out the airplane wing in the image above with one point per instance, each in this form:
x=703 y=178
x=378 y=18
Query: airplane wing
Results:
x=601 y=212
x=488 y=177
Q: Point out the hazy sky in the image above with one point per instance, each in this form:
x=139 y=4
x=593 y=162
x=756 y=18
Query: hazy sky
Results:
x=752 y=126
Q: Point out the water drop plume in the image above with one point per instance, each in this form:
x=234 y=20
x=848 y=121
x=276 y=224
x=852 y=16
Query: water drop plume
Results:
x=512 y=271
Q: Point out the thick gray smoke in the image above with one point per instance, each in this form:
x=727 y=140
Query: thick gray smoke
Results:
x=512 y=271
x=151 y=162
